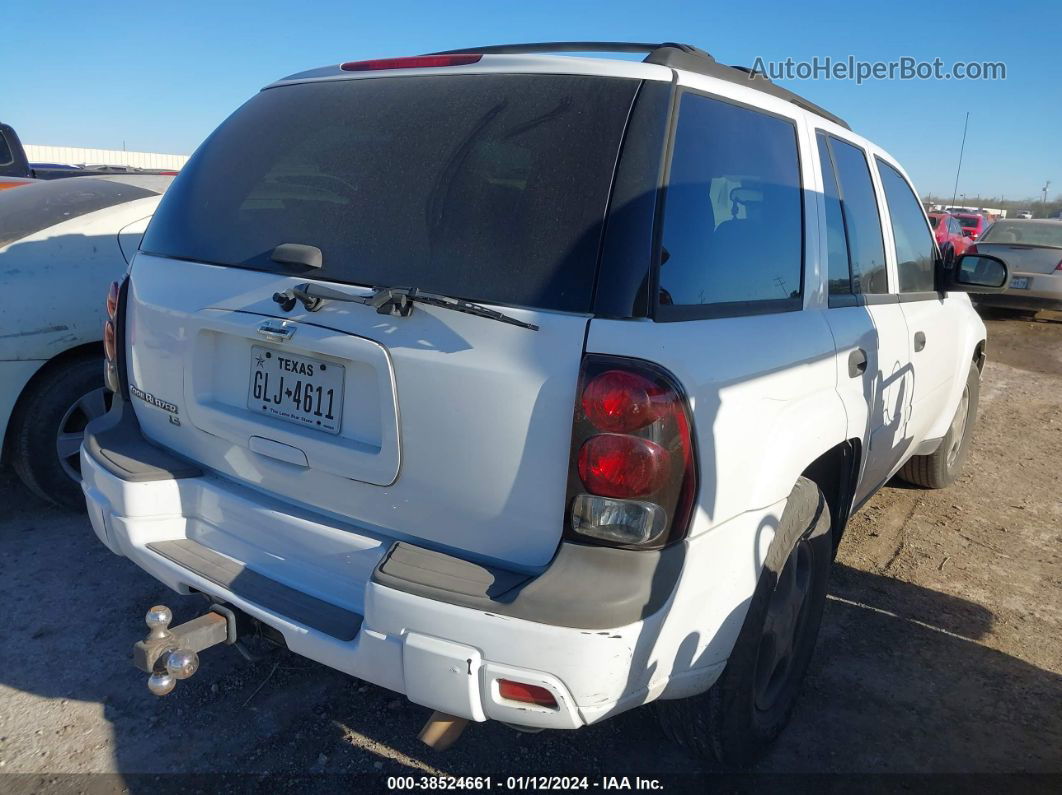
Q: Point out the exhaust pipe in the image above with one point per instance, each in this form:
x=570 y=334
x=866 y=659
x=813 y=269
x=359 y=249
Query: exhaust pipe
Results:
x=170 y=654
x=442 y=730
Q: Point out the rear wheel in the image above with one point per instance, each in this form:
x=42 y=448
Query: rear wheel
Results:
x=942 y=467
x=750 y=704
x=49 y=426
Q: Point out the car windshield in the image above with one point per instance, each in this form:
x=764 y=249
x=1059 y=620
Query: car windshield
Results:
x=489 y=187
x=969 y=221
x=1030 y=233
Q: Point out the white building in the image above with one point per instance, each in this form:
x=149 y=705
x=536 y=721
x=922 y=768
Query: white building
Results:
x=103 y=157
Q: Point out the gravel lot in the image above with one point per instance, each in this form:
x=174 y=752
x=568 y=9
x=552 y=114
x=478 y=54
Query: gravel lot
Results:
x=940 y=652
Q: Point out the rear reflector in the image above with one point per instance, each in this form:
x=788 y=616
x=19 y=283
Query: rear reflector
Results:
x=528 y=694
x=411 y=62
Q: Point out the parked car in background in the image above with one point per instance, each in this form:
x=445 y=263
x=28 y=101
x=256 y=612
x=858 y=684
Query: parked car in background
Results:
x=973 y=224
x=1023 y=214
x=13 y=163
x=1033 y=253
x=61 y=242
x=948 y=231
x=503 y=429
x=6 y=183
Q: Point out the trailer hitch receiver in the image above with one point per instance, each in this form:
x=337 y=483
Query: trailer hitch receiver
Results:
x=169 y=654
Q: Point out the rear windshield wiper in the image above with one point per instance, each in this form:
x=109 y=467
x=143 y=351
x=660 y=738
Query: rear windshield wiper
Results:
x=388 y=301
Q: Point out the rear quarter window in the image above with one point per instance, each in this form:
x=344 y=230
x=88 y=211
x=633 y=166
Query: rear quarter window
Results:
x=733 y=214
x=484 y=187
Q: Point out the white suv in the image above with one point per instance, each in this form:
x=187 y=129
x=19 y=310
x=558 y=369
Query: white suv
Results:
x=535 y=388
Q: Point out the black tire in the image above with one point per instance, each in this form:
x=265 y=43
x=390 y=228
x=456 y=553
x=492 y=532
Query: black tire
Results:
x=66 y=394
x=940 y=468
x=749 y=705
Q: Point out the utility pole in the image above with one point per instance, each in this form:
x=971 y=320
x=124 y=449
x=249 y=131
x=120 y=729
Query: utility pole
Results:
x=1043 y=201
x=962 y=148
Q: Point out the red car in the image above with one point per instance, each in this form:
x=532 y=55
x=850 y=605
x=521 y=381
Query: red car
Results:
x=973 y=224
x=948 y=229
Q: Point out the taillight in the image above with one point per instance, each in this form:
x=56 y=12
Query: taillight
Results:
x=971 y=249
x=411 y=62
x=632 y=477
x=110 y=339
x=112 y=300
x=110 y=348
x=1058 y=267
x=619 y=465
x=528 y=694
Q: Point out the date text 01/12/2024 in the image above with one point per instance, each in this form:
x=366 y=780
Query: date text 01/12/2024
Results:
x=523 y=783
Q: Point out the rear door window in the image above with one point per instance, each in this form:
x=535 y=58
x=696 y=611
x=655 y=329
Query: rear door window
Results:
x=862 y=220
x=839 y=264
x=915 y=249
x=733 y=214
x=484 y=187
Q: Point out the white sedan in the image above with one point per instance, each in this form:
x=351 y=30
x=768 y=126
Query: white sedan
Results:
x=61 y=243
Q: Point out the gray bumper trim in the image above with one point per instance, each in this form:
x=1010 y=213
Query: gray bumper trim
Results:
x=115 y=442
x=585 y=587
x=300 y=607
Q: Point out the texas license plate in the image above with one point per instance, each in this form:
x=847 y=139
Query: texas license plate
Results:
x=297 y=389
x=1019 y=284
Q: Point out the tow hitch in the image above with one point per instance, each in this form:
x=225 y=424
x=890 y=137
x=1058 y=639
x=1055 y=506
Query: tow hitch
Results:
x=171 y=654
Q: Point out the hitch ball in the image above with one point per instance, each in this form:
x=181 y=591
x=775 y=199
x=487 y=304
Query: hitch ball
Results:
x=161 y=684
x=169 y=654
x=182 y=663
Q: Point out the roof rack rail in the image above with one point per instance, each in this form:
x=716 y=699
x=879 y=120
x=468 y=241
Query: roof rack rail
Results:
x=677 y=56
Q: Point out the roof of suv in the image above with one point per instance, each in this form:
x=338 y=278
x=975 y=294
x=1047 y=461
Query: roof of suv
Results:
x=667 y=54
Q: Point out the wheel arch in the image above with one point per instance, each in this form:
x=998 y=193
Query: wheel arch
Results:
x=836 y=473
x=83 y=351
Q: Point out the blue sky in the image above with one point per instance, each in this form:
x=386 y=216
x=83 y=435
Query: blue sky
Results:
x=160 y=77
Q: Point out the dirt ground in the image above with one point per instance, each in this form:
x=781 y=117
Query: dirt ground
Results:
x=940 y=651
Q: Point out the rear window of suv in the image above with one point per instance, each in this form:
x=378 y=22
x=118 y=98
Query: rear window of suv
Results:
x=484 y=187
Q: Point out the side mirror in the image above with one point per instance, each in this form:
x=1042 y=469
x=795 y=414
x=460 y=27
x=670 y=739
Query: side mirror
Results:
x=975 y=273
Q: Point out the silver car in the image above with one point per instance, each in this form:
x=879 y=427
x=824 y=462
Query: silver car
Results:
x=1033 y=252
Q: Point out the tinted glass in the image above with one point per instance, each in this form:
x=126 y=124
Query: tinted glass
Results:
x=915 y=251
x=934 y=220
x=733 y=210
x=969 y=221
x=861 y=218
x=485 y=187
x=839 y=269
x=6 y=157
x=31 y=208
x=1032 y=233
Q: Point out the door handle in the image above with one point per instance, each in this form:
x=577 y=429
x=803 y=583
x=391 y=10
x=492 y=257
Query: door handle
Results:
x=857 y=363
x=919 y=341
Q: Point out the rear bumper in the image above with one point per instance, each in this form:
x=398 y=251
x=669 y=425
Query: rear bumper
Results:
x=337 y=596
x=1015 y=300
x=1044 y=292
